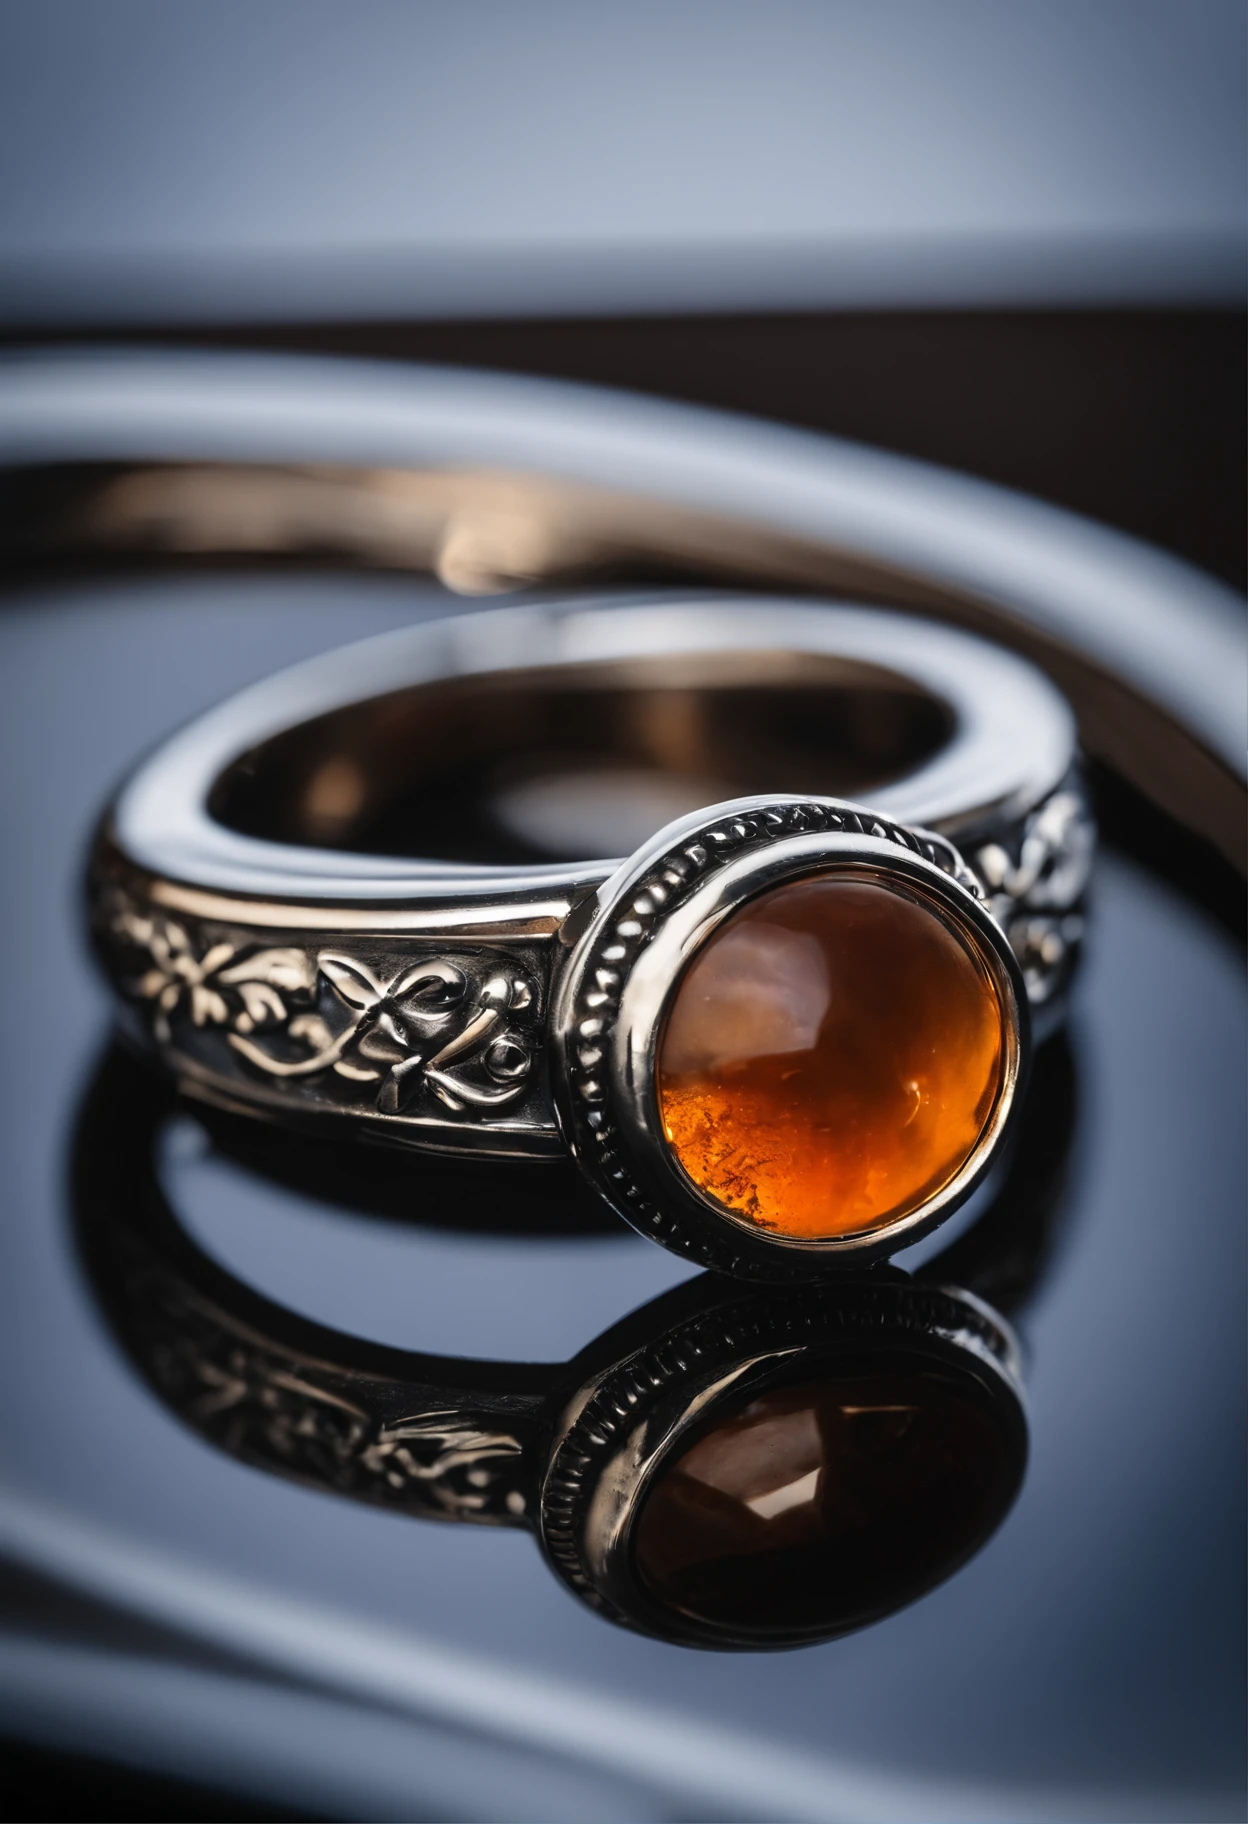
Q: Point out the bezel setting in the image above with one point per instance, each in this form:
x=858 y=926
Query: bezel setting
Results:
x=629 y=947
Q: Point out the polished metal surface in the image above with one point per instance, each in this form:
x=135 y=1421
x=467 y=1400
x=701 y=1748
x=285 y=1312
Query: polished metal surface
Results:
x=1008 y=743
x=413 y=996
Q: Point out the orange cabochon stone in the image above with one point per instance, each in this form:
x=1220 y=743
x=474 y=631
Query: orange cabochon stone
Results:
x=830 y=1058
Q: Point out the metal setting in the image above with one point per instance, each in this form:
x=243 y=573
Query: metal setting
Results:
x=613 y=992
x=415 y=999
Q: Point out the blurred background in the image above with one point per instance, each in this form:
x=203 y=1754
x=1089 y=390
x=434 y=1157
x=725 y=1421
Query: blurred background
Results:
x=1010 y=239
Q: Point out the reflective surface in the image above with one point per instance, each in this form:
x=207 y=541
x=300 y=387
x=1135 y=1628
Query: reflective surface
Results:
x=830 y=1058
x=829 y=1499
x=1086 y=1662
x=847 y=1445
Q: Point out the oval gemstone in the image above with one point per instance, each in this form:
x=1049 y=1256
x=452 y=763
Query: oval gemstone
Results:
x=819 y=1507
x=830 y=1058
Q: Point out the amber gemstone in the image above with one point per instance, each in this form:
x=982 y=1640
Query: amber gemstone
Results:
x=830 y=1057
x=818 y=1507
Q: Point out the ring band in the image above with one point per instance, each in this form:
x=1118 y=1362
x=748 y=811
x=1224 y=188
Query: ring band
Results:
x=917 y=1448
x=526 y=1008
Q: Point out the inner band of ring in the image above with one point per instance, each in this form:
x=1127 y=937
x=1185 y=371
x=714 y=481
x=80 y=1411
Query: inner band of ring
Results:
x=205 y=920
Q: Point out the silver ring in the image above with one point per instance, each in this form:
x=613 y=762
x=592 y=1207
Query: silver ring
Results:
x=282 y=966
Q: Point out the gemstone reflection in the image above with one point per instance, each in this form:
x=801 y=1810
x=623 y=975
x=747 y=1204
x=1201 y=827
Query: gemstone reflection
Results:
x=821 y=1506
x=830 y=1058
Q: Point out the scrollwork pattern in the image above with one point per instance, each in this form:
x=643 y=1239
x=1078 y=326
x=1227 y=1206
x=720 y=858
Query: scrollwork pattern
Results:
x=1036 y=884
x=455 y=1032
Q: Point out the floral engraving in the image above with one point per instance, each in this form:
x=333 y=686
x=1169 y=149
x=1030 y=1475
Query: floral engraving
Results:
x=1035 y=892
x=178 y=980
x=456 y=1031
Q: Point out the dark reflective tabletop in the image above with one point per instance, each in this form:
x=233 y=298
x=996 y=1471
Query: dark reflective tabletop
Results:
x=1086 y=1662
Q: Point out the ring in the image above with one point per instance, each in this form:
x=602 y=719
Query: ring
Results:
x=789 y=1033
x=729 y=1467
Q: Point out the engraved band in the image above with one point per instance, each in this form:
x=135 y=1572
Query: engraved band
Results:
x=458 y=1003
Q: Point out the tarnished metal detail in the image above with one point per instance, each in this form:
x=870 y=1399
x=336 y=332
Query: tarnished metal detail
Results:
x=425 y=1040
x=1035 y=876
